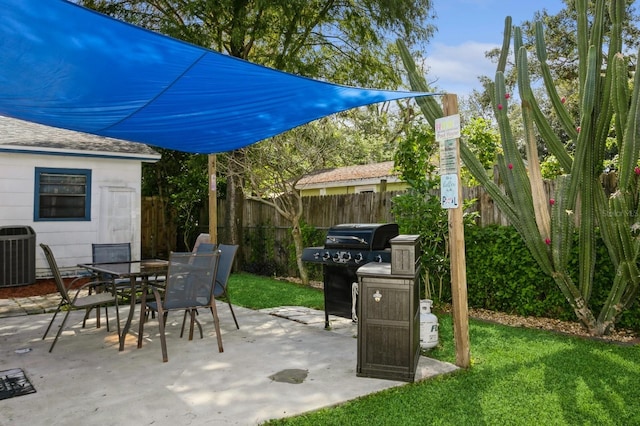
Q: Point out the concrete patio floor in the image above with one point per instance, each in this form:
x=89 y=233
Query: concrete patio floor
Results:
x=85 y=380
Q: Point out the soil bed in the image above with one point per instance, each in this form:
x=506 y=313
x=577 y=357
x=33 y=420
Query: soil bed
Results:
x=40 y=288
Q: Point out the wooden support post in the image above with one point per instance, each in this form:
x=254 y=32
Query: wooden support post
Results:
x=213 y=200
x=458 y=261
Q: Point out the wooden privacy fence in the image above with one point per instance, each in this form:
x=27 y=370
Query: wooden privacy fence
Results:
x=158 y=234
x=321 y=212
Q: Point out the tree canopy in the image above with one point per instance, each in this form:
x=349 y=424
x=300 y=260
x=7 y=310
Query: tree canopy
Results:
x=347 y=42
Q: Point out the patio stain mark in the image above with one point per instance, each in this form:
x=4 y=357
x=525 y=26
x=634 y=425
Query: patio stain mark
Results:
x=291 y=375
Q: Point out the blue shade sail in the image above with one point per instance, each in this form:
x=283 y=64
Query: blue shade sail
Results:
x=66 y=66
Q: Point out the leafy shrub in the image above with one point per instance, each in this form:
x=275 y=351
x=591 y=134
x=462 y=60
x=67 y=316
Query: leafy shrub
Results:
x=311 y=237
x=262 y=242
x=503 y=276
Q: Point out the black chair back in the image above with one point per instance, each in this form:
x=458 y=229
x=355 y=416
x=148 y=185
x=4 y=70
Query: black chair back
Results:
x=53 y=265
x=227 y=256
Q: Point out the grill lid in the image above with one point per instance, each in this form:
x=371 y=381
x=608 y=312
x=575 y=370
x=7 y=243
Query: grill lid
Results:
x=363 y=236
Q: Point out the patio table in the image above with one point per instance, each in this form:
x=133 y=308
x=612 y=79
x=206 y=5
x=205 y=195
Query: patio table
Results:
x=138 y=273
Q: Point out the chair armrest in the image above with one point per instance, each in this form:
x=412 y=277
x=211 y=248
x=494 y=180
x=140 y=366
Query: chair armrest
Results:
x=159 y=285
x=89 y=284
x=156 y=295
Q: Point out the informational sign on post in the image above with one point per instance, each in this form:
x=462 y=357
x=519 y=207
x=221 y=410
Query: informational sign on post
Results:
x=447 y=134
x=449 y=157
x=449 y=191
x=448 y=127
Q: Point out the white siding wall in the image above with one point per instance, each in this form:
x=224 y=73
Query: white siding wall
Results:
x=70 y=240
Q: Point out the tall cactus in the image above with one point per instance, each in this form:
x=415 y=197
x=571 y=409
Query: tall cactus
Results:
x=606 y=103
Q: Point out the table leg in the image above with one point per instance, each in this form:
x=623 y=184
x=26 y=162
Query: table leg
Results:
x=115 y=297
x=143 y=309
x=125 y=330
x=216 y=322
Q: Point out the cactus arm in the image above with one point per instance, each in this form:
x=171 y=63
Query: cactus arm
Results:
x=515 y=176
x=554 y=143
x=562 y=225
x=633 y=287
x=620 y=207
x=476 y=168
x=606 y=226
x=582 y=178
x=583 y=42
x=504 y=51
x=616 y=14
x=622 y=295
x=516 y=180
x=563 y=115
x=582 y=143
x=596 y=38
x=603 y=108
x=618 y=68
x=620 y=96
x=631 y=148
x=625 y=285
x=552 y=140
x=428 y=104
x=536 y=182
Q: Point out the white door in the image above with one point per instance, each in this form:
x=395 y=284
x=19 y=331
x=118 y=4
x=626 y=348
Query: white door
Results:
x=117 y=212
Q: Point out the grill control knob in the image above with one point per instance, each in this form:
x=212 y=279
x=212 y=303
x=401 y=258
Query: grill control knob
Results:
x=336 y=256
x=326 y=255
x=346 y=255
x=358 y=257
x=378 y=258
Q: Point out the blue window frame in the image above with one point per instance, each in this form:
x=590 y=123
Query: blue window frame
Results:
x=62 y=194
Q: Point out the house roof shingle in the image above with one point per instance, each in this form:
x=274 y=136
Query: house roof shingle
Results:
x=19 y=135
x=378 y=171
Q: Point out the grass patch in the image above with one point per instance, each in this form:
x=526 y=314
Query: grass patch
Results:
x=259 y=292
x=518 y=376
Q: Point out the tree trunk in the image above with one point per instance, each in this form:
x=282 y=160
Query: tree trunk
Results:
x=234 y=205
x=298 y=244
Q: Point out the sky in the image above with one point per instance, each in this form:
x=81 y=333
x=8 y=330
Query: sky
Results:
x=466 y=30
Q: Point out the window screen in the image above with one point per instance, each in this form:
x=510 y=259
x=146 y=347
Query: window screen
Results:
x=62 y=194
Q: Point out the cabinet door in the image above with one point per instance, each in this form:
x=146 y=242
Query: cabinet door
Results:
x=386 y=323
x=387 y=301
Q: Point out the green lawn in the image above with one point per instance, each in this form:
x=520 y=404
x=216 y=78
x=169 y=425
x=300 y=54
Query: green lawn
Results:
x=518 y=376
x=258 y=292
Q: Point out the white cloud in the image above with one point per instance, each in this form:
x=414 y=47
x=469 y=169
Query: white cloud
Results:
x=455 y=69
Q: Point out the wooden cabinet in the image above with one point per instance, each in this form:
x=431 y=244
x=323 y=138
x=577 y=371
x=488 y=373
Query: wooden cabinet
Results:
x=388 y=322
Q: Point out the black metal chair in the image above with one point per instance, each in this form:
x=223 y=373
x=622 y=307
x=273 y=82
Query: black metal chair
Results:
x=202 y=238
x=227 y=256
x=189 y=286
x=109 y=253
x=204 y=248
x=76 y=302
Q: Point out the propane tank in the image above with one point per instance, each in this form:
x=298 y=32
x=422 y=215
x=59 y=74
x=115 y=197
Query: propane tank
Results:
x=428 y=325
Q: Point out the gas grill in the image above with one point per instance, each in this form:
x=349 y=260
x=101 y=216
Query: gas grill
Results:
x=346 y=248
